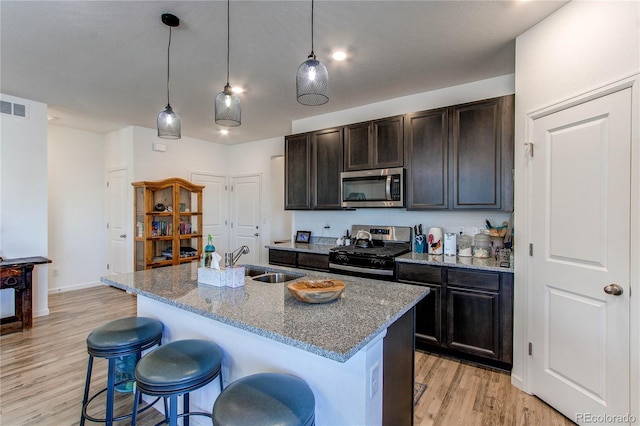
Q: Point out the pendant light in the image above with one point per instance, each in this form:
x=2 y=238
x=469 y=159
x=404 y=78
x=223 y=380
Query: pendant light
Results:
x=312 y=80
x=228 y=111
x=168 y=120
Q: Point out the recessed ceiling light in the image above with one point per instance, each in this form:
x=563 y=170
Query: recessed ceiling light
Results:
x=224 y=132
x=339 y=55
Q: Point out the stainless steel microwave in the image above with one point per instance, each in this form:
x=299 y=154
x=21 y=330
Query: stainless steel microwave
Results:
x=373 y=188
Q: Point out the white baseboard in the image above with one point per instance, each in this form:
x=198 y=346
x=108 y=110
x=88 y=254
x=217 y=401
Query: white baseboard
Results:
x=75 y=287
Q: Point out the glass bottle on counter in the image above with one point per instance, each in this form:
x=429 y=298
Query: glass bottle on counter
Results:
x=481 y=245
x=464 y=245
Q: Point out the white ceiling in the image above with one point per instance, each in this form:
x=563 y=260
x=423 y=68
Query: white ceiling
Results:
x=101 y=65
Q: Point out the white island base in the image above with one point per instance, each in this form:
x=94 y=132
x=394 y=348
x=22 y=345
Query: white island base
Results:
x=346 y=393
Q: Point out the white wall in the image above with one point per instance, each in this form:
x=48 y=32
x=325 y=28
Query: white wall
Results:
x=76 y=208
x=255 y=158
x=23 y=192
x=339 y=222
x=581 y=47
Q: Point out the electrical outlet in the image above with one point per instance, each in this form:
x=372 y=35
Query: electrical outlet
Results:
x=460 y=230
x=374 y=380
x=56 y=272
x=475 y=230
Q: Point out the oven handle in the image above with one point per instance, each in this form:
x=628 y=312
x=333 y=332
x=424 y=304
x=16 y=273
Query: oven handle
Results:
x=363 y=270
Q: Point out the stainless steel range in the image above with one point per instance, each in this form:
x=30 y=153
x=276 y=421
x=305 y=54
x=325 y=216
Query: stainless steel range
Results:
x=372 y=251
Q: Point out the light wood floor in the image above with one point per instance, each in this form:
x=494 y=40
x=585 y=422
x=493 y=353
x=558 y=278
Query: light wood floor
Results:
x=42 y=373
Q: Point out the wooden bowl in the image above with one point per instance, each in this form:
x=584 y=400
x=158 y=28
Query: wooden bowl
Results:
x=316 y=291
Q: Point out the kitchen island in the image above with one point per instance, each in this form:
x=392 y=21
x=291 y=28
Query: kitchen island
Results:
x=356 y=353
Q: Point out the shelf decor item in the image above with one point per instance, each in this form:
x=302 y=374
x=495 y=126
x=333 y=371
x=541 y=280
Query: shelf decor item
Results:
x=303 y=236
x=168 y=120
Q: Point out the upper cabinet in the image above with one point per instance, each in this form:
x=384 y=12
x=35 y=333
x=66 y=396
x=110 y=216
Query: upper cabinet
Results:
x=426 y=151
x=313 y=162
x=461 y=157
x=374 y=144
x=481 y=141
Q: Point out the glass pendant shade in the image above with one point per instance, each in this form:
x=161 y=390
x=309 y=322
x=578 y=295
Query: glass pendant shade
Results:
x=169 y=124
x=312 y=82
x=228 y=111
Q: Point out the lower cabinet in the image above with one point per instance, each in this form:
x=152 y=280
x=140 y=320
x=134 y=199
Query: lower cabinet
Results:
x=295 y=259
x=468 y=313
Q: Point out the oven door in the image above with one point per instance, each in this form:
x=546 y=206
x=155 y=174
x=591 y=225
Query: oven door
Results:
x=362 y=266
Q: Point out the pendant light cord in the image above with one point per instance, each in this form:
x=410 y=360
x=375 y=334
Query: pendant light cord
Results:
x=168 y=54
x=228 y=37
x=312 y=53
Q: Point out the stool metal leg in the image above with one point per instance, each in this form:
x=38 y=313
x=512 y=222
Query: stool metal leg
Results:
x=87 y=384
x=173 y=410
x=111 y=379
x=185 y=408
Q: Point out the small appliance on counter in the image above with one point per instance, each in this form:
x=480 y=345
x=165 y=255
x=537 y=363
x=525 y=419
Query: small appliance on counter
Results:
x=434 y=241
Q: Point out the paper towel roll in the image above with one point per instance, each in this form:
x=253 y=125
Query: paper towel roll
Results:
x=434 y=241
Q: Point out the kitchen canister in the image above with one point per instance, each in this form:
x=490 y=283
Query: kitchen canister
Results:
x=464 y=245
x=434 y=241
x=450 y=244
x=481 y=245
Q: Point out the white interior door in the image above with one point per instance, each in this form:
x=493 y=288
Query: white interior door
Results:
x=580 y=210
x=118 y=218
x=215 y=210
x=245 y=216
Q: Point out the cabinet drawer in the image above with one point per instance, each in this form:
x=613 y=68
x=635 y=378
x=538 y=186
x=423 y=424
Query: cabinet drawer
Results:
x=313 y=261
x=282 y=257
x=474 y=279
x=419 y=273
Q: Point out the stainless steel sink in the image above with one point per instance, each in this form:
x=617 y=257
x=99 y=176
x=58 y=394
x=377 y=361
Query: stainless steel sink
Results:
x=275 y=277
x=250 y=271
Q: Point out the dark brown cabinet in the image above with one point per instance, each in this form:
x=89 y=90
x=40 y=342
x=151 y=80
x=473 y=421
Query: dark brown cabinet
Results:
x=481 y=140
x=297 y=176
x=299 y=259
x=461 y=157
x=426 y=153
x=468 y=312
x=374 y=145
x=313 y=162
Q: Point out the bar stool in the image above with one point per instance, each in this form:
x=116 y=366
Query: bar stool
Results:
x=265 y=399
x=115 y=339
x=175 y=369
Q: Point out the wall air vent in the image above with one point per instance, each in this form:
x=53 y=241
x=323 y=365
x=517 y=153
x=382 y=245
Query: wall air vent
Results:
x=17 y=110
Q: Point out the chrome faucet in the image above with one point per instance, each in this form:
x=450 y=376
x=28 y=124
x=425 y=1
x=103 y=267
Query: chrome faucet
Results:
x=230 y=258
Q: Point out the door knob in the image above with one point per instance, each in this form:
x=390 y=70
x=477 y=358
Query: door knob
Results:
x=256 y=235
x=123 y=235
x=613 y=289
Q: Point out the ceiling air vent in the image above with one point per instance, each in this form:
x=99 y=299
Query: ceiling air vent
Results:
x=17 y=110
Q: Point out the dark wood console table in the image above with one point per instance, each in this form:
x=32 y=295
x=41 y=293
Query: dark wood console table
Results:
x=16 y=274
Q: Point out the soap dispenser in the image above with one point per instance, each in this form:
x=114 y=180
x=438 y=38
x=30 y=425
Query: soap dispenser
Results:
x=208 y=252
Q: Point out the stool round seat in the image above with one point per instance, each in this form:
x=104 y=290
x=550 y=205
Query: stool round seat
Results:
x=124 y=336
x=179 y=367
x=265 y=399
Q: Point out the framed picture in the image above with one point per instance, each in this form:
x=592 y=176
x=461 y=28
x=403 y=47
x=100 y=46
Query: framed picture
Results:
x=303 y=236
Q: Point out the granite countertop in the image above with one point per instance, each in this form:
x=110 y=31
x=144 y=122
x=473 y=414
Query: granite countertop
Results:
x=334 y=330
x=487 y=264
x=318 y=248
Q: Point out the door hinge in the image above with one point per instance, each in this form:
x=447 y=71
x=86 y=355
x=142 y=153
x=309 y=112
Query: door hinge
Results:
x=530 y=249
x=225 y=188
x=107 y=266
x=107 y=184
x=231 y=188
x=529 y=146
x=107 y=225
x=530 y=348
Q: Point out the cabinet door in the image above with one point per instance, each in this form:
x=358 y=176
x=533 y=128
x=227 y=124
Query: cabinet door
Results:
x=426 y=147
x=282 y=257
x=357 y=146
x=429 y=317
x=297 y=183
x=318 y=262
x=476 y=155
x=473 y=322
x=388 y=143
x=327 y=165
